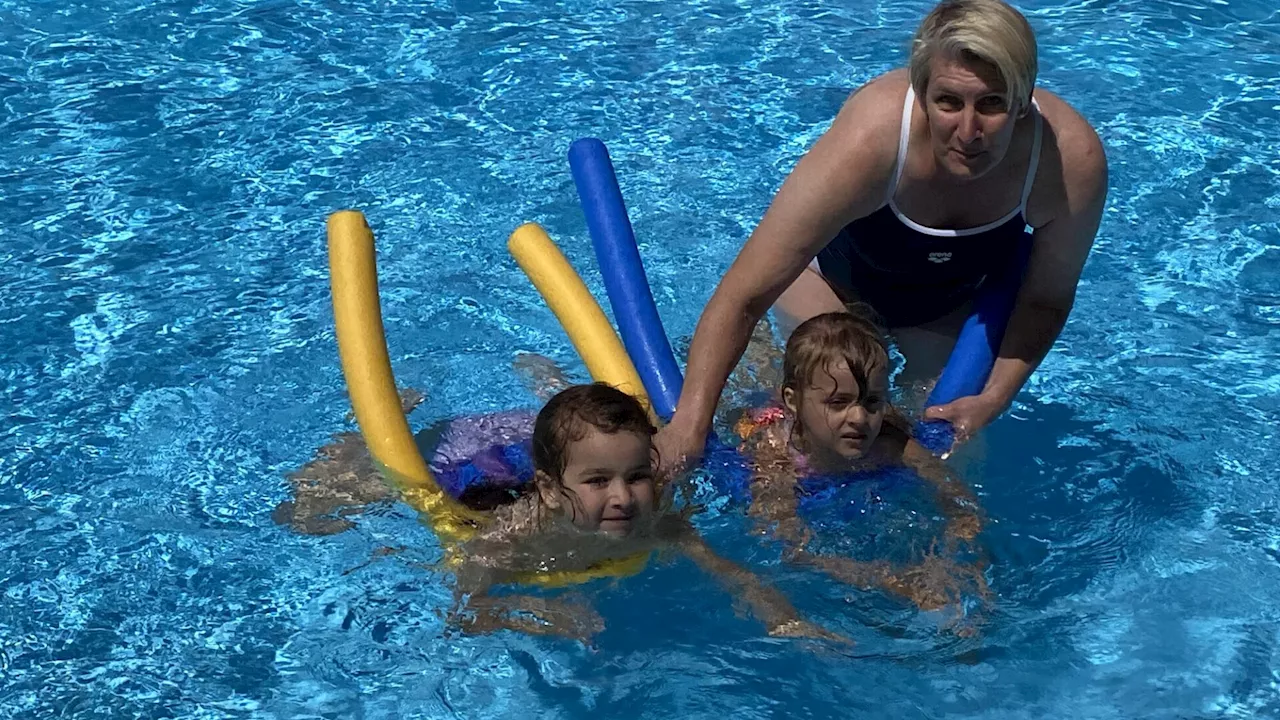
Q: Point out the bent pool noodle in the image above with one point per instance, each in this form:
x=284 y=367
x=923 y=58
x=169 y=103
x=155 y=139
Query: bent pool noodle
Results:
x=366 y=366
x=578 y=312
x=625 y=282
x=977 y=346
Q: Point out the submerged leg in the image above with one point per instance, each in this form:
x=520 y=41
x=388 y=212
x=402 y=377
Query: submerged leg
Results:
x=340 y=482
x=540 y=375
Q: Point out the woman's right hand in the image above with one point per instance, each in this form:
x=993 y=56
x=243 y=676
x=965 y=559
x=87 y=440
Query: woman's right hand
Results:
x=678 y=448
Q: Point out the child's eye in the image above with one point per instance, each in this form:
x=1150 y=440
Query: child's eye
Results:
x=874 y=403
x=643 y=477
x=598 y=481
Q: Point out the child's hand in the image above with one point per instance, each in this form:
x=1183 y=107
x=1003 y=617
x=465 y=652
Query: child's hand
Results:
x=798 y=628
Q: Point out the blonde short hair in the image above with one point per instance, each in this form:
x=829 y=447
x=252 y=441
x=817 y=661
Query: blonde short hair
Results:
x=988 y=30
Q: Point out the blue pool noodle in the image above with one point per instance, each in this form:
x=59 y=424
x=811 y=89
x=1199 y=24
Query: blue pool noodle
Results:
x=977 y=345
x=624 y=277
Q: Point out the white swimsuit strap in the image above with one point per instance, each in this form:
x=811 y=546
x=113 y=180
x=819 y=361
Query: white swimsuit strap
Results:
x=904 y=136
x=1035 y=158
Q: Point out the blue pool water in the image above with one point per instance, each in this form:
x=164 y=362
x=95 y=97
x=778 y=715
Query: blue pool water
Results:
x=168 y=356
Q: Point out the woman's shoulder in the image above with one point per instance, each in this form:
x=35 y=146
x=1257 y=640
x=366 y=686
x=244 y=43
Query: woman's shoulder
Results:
x=888 y=85
x=1073 y=161
x=861 y=145
x=874 y=110
x=1069 y=126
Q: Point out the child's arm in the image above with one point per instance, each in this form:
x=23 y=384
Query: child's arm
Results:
x=773 y=489
x=528 y=614
x=766 y=603
x=958 y=503
x=477 y=612
x=932 y=584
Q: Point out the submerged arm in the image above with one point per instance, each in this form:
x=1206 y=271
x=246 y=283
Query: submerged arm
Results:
x=765 y=602
x=528 y=614
x=956 y=500
x=477 y=612
x=773 y=489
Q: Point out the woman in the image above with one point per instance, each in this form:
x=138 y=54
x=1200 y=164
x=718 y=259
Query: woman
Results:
x=922 y=186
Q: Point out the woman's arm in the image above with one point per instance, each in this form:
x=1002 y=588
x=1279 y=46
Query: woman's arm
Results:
x=1066 y=209
x=844 y=176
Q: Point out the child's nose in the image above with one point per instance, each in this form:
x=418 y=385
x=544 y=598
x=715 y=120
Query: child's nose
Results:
x=622 y=494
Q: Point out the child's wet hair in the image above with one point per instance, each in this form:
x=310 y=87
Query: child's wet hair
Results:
x=824 y=340
x=568 y=416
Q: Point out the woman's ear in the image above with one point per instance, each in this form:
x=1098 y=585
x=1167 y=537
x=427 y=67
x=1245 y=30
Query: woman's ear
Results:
x=790 y=401
x=548 y=493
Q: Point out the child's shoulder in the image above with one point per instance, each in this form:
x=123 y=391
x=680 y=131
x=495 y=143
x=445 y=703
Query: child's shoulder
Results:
x=756 y=420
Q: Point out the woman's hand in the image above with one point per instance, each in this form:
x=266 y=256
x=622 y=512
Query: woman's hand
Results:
x=967 y=415
x=678 y=448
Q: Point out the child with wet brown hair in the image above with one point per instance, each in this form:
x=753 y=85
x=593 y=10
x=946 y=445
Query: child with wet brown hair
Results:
x=591 y=510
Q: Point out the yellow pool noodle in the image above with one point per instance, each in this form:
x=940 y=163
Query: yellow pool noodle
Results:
x=577 y=310
x=362 y=346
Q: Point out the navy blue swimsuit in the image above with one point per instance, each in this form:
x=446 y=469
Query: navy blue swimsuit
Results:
x=912 y=274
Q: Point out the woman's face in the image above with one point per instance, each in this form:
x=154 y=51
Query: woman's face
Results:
x=968 y=108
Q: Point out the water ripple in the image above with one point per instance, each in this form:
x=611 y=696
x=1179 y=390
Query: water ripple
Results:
x=166 y=173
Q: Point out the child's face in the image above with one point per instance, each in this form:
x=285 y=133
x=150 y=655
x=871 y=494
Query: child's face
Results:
x=612 y=477
x=833 y=416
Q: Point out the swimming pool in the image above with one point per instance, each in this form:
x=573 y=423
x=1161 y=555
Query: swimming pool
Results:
x=169 y=356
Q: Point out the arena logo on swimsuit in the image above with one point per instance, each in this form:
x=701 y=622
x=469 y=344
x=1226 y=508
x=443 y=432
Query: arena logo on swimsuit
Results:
x=939 y=257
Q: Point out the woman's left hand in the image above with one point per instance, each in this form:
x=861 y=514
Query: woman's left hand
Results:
x=967 y=415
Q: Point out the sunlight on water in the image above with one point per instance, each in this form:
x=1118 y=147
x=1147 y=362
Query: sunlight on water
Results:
x=170 y=358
